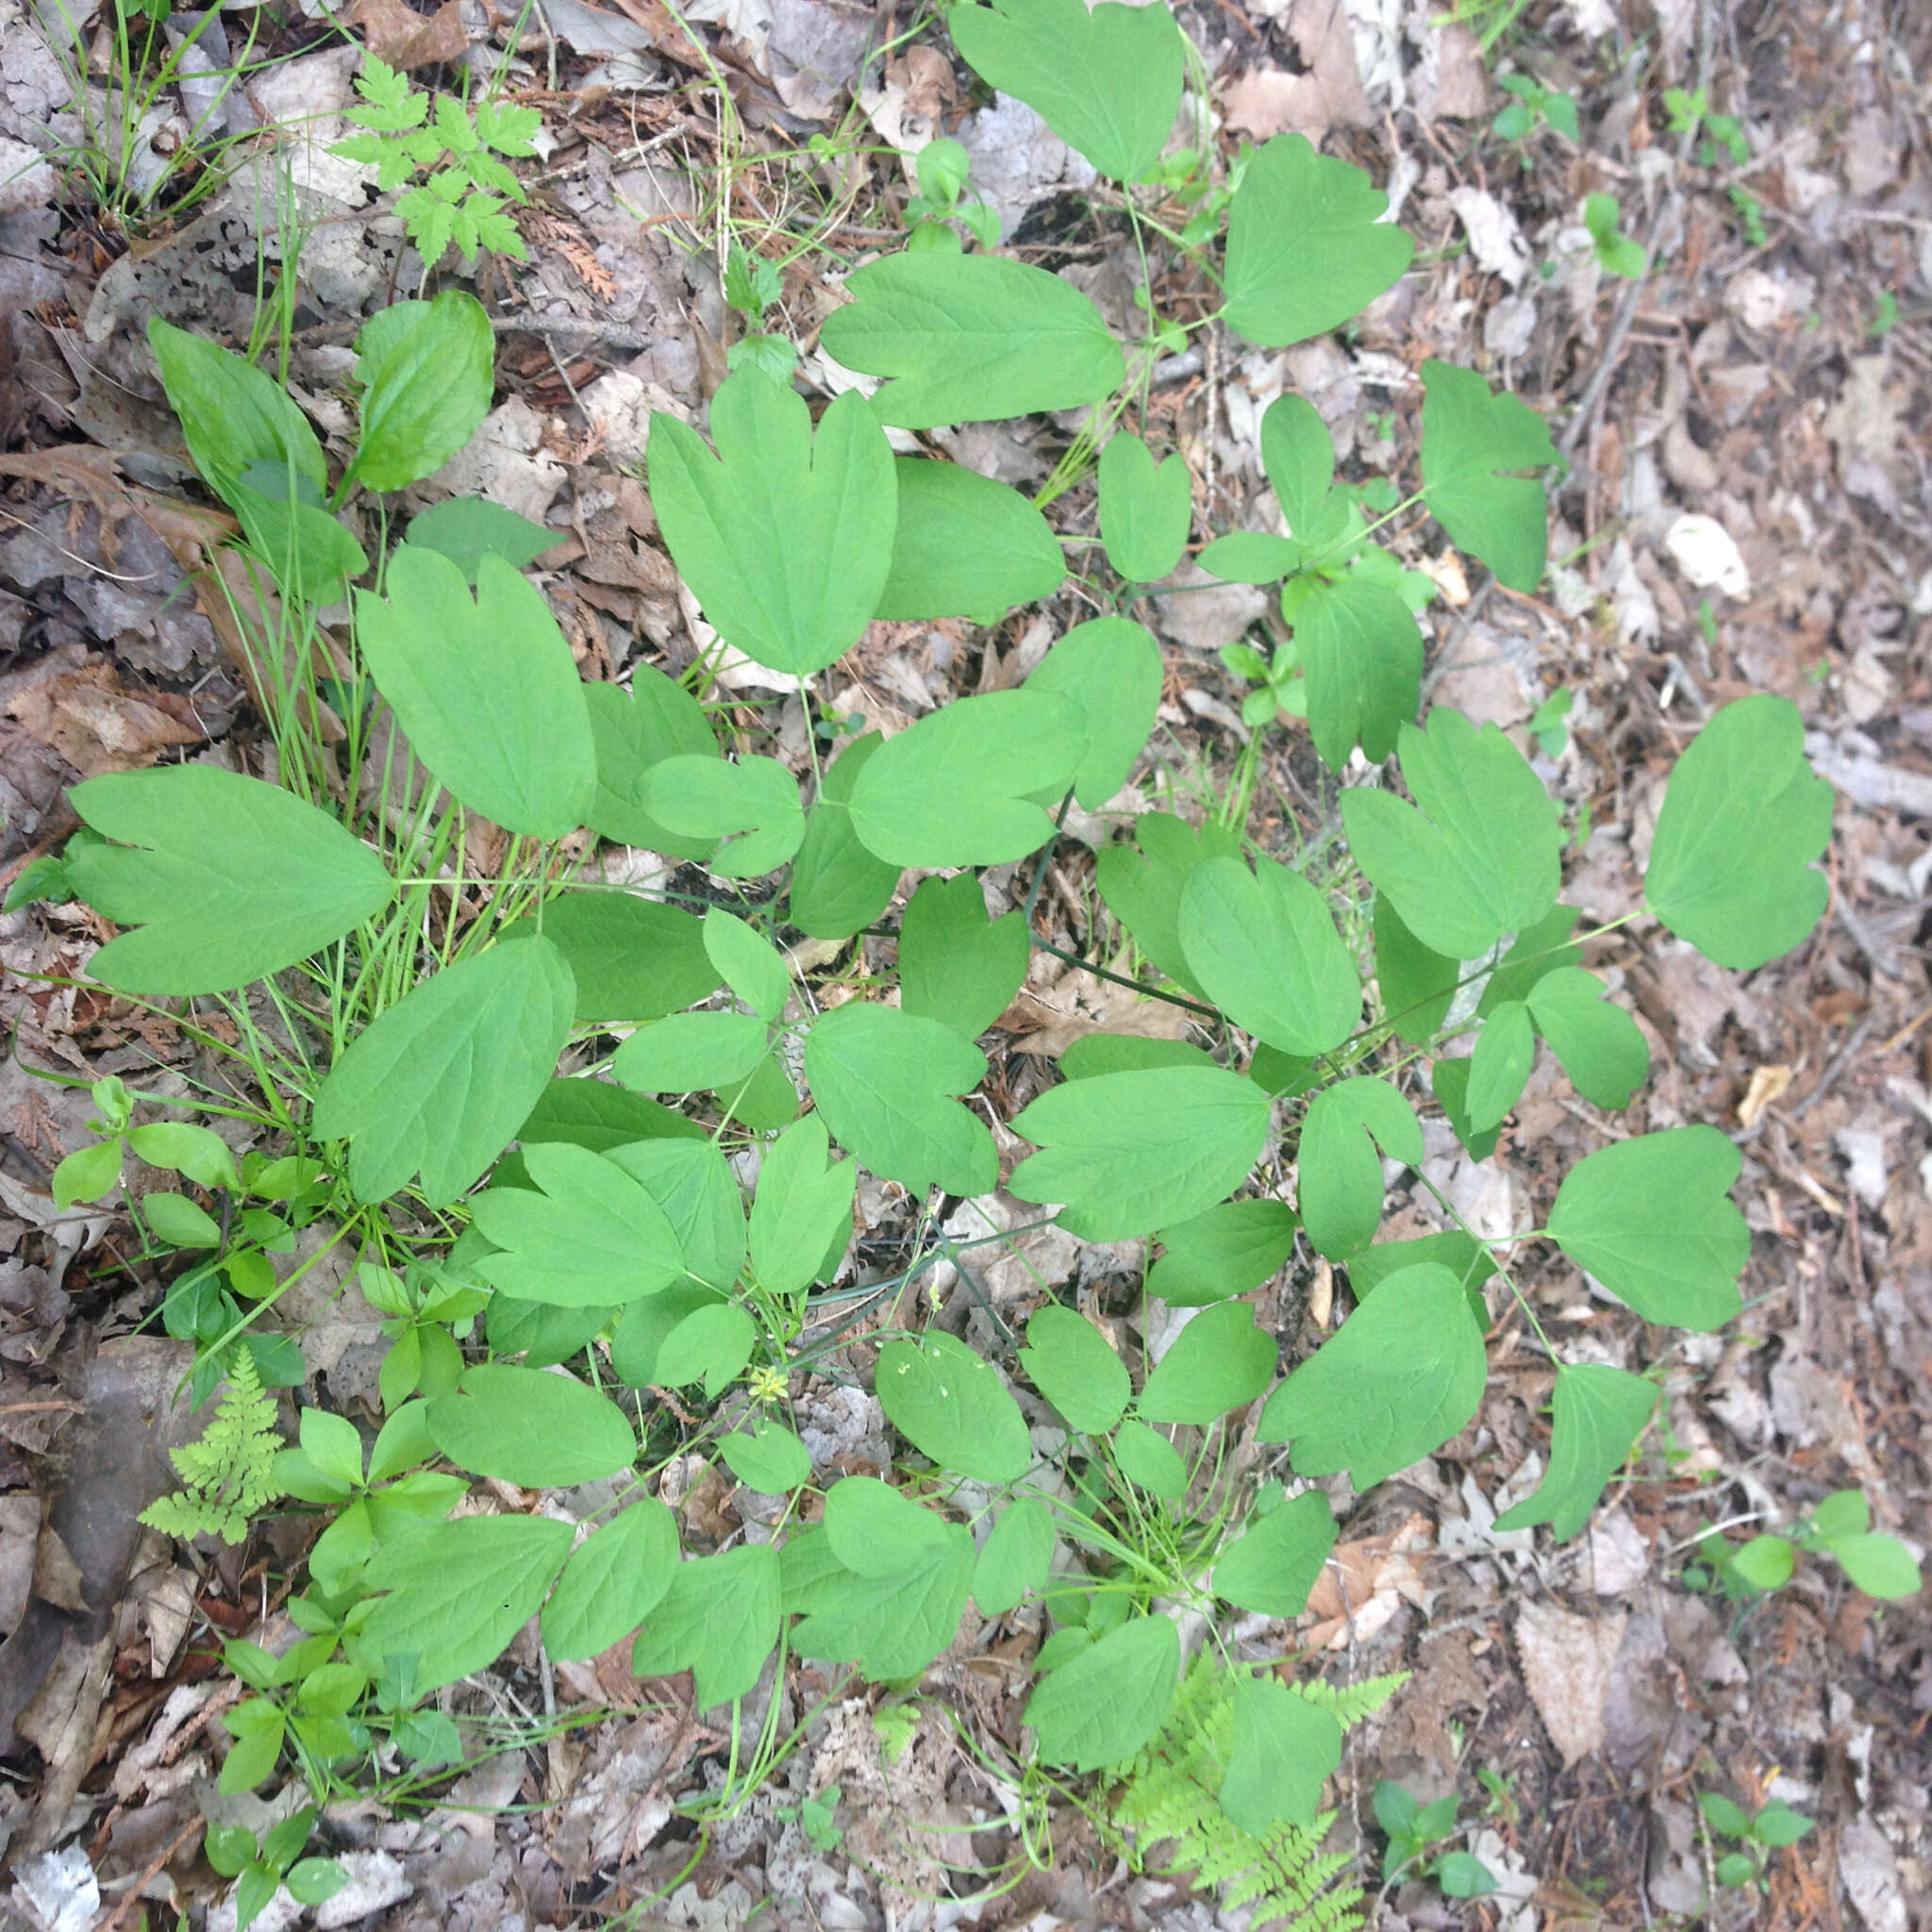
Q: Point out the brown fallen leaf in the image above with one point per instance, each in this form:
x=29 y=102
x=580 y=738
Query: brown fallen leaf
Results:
x=97 y=724
x=1364 y=1582
x=1326 y=93
x=405 y=39
x=1567 y=1660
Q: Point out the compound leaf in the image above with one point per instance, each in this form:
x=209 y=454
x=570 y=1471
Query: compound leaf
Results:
x=688 y=1053
x=1146 y=508
x=838 y=887
x=1472 y=438
x=1108 y=1700
x=750 y=804
x=1743 y=819
x=530 y=1427
x=443 y=1079
x=1071 y=1364
x=1111 y=668
x=1128 y=1153
x=239 y=878
x=970 y=337
x=614 y=1579
x=719 y=1619
x=484 y=688
x=1306 y=247
x=1219 y=1362
x=426 y=370
x=1341 y=1171
x=1264 y=947
x=1397 y=1379
x=1284 y=1750
x=802 y=1206
x=1272 y=1566
x=1652 y=1219
x=1107 y=81
x=1363 y=658
x=459 y=1591
x=1601 y=1046
x=1599 y=1413
x=959 y=788
x=1015 y=1559
x=595 y=1236
x=885 y=1081
x=951 y=1405
x=1499 y=1069
x=785 y=538
x=1476 y=854
x=955 y=964
x=966 y=545
x=891 y=1625
x=1227 y=1251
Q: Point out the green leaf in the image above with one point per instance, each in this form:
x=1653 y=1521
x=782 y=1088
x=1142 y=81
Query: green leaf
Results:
x=543 y=1336
x=955 y=964
x=688 y=1053
x=1142 y=884
x=1538 y=949
x=1395 y=1808
x=1765 y=1562
x=1652 y=1219
x=969 y=338
x=1340 y=1182
x=709 y=1345
x=642 y=1327
x=1110 y=1699
x=484 y=688
x=1879 y=1565
x=426 y=370
x=530 y=1427
x=1306 y=249
x=1071 y=1364
x=1272 y=1565
x=658 y=720
x=1736 y=1870
x=1499 y=1069
x=1108 y=82
x=1724 y=1818
x=695 y=1184
x=1298 y=454
x=1779 y=1826
x=958 y=787
x=1363 y=656
x=466 y=530
x=1844 y=1513
x=1015 y=1559
x=1462 y=1874
x=751 y=803
x=1477 y=855
x=231 y=413
x=87 y=1174
x=767 y=1457
x=239 y=878
x=595 y=1236
x=838 y=887
x=1146 y=508
x=802 y=1208
x=1285 y=1749
x=1149 y=1460
x=315 y=1881
x=1111 y=668
x=1399 y=1378
x=1601 y=1046
x=1743 y=818
x=1473 y=439
x=891 y=1625
x=1462 y=1253
x=965 y=546
x=309 y=554
x=175 y=1219
x=1128 y=1153
x=631 y=959
x=459 y=1591
x=1123 y=1053
x=443 y=1079
x=884 y=1081
x=1417 y=985
x=1227 y=1251
x=1264 y=946
x=951 y=1406
x=594 y=1114
x=784 y=537
x=1252 y=556
x=747 y=962
x=875 y=1531
x=1449 y=1080
x=719 y=1619
x=1219 y=1362
x=1599 y=1414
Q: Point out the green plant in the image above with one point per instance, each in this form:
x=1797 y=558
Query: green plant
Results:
x=1549 y=724
x=1884 y=314
x=817 y=1817
x=461 y=152
x=676 y=1219
x=262 y=1871
x=1840 y=1527
x=1616 y=253
x=229 y=1474
x=1750 y=213
x=1774 y=1826
x=753 y=285
x=1532 y=104
x=1501 y=1804
x=1414 y=1831
x=941 y=168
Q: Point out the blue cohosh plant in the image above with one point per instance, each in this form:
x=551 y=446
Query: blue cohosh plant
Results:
x=603 y=1219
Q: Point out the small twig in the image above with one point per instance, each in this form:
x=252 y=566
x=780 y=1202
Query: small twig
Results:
x=152 y=1871
x=1835 y=1067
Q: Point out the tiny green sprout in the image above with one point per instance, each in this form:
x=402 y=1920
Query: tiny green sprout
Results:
x=817 y=1817
x=1775 y=1826
x=1884 y=320
x=1616 y=253
x=752 y=284
x=232 y=1851
x=942 y=168
x=1549 y=726
x=1413 y=1830
x=1501 y=1804
x=1533 y=105
x=1685 y=107
x=895 y=1724
x=1750 y=213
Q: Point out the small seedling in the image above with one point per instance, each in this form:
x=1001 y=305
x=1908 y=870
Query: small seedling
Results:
x=1840 y=1527
x=941 y=168
x=1773 y=1827
x=1884 y=320
x=1750 y=213
x=1550 y=725
x=1502 y=1804
x=1281 y=686
x=1414 y=1831
x=1534 y=106
x=752 y=286
x=817 y=1817
x=262 y=1871
x=1616 y=253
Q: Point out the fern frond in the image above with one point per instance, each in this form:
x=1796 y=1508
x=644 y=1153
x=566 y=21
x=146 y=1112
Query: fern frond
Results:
x=229 y=1474
x=1350 y=1704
